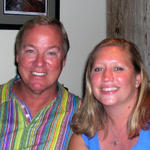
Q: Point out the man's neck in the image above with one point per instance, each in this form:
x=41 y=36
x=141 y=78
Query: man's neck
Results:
x=35 y=101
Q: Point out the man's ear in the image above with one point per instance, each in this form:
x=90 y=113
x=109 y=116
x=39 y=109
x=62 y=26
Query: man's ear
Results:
x=17 y=58
x=64 y=61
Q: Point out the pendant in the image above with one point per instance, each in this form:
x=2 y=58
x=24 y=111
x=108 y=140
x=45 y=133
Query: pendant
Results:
x=115 y=143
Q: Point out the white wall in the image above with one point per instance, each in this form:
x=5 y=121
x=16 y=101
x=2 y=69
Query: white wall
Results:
x=7 y=67
x=85 y=22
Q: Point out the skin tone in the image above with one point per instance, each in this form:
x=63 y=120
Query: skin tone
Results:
x=115 y=84
x=113 y=79
x=77 y=143
x=40 y=62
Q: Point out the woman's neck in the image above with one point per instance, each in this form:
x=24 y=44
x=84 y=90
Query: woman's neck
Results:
x=117 y=136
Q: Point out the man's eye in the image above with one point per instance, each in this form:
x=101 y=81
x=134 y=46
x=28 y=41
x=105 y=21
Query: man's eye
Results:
x=30 y=51
x=118 y=69
x=52 y=53
x=98 y=69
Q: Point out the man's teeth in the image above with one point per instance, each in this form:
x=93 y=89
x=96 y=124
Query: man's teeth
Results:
x=38 y=73
x=109 y=89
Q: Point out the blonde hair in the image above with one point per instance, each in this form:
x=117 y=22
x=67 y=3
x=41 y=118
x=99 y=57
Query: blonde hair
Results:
x=92 y=115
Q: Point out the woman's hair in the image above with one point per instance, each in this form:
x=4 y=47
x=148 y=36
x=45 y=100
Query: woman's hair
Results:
x=42 y=20
x=92 y=116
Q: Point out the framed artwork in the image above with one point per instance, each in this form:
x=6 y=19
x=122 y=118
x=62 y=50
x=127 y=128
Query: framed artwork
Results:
x=13 y=13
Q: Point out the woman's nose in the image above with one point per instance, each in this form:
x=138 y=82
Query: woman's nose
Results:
x=108 y=75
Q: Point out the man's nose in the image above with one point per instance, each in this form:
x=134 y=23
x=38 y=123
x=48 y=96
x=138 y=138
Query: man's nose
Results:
x=39 y=61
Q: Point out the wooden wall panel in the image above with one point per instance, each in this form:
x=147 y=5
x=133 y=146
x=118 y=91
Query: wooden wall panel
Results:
x=130 y=19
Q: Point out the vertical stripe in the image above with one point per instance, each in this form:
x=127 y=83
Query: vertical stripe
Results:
x=49 y=129
x=61 y=115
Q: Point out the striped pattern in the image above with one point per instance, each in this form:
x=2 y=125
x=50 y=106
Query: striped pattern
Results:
x=48 y=130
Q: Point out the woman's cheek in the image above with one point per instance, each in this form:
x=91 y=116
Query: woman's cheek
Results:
x=96 y=78
x=122 y=78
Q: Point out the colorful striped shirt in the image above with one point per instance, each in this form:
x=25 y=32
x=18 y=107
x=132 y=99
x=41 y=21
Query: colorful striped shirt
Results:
x=49 y=129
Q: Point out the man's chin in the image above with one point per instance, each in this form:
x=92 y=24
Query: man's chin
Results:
x=38 y=89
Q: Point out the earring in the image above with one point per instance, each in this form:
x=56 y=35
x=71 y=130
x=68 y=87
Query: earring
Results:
x=137 y=84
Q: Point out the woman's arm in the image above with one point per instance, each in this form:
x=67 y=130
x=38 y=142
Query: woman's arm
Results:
x=77 y=143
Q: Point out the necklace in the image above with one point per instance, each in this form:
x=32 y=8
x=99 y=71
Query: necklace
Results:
x=117 y=137
x=115 y=143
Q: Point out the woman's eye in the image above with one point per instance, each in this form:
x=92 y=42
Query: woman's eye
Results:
x=118 y=69
x=98 y=69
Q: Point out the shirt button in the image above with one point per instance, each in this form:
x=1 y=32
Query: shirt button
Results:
x=22 y=106
x=27 y=115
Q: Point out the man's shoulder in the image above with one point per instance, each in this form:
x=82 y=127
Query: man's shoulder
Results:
x=5 y=90
x=72 y=94
x=70 y=97
x=6 y=84
x=75 y=98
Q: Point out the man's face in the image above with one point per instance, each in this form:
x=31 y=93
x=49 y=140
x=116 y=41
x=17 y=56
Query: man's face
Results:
x=40 y=60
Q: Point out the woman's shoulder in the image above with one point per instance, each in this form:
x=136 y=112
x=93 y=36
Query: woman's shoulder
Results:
x=77 y=142
x=143 y=141
x=91 y=143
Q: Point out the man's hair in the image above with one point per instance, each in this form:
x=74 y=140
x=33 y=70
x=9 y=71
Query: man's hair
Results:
x=42 y=20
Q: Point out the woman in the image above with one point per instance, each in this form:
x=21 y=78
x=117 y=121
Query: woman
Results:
x=115 y=111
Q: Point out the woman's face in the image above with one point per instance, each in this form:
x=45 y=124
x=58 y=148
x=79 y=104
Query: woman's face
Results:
x=113 y=78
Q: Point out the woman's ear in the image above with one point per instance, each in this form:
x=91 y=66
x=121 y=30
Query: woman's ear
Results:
x=138 y=80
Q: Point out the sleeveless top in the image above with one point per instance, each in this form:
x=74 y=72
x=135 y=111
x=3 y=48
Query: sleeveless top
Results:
x=91 y=143
x=143 y=142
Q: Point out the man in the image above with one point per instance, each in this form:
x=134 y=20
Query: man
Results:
x=35 y=109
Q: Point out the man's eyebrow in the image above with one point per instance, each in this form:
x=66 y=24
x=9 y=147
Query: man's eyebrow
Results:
x=51 y=47
x=28 y=45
